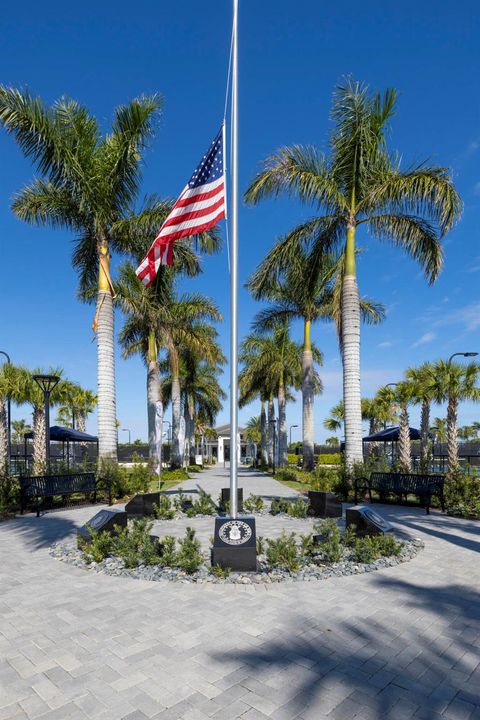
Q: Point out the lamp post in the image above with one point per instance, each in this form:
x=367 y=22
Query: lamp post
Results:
x=129 y=435
x=291 y=427
x=168 y=438
x=9 y=421
x=47 y=383
x=463 y=354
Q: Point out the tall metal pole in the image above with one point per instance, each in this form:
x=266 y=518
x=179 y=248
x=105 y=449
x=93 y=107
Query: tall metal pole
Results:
x=46 y=400
x=9 y=421
x=234 y=273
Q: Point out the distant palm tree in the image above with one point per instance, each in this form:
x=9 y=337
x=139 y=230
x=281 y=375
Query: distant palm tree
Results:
x=439 y=427
x=362 y=183
x=451 y=382
x=422 y=393
x=78 y=404
x=201 y=393
x=20 y=428
x=253 y=430
x=86 y=183
x=277 y=358
x=332 y=442
x=303 y=285
x=402 y=395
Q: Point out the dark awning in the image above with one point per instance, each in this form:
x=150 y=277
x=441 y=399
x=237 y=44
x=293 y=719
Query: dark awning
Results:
x=390 y=435
x=63 y=434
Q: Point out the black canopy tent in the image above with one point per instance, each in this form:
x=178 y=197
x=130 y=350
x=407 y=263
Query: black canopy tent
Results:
x=65 y=435
x=391 y=434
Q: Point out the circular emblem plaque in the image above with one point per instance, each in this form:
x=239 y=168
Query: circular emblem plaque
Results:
x=374 y=517
x=235 y=532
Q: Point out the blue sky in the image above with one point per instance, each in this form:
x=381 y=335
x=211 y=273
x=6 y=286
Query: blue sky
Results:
x=291 y=57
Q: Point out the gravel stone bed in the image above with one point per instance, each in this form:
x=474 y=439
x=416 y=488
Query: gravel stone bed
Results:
x=308 y=571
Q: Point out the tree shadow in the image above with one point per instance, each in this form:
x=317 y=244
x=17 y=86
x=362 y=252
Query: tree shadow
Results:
x=37 y=533
x=369 y=665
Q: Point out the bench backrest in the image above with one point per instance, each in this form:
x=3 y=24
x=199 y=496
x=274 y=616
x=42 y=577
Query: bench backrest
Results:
x=48 y=485
x=406 y=482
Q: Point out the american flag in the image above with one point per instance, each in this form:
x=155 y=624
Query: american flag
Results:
x=200 y=206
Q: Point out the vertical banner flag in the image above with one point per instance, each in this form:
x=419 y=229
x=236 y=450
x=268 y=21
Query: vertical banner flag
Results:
x=181 y=438
x=200 y=206
x=159 y=433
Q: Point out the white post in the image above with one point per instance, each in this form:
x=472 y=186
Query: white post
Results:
x=234 y=272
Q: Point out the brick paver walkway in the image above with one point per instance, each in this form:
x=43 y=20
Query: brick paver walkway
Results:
x=399 y=643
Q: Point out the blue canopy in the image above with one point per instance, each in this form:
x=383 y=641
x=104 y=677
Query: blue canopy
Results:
x=67 y=434
x=391 y=435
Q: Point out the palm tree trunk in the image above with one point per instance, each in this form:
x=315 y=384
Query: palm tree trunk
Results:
x=154 y=395
x=452 y=447
x=263 y=434
x=424 y=438
x=191 y=428
x=81 y=421
x=39 y=455
x=176 y=406
x=107 y=415
x=307 y=400
x=282 y=427
x=404 y=449
x=351 y=356
x=270 y=430
x=3 y=437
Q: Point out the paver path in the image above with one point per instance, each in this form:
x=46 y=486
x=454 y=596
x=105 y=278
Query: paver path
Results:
x=399 y=643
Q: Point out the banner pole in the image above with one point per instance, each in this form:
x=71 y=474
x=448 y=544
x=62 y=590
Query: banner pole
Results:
x=234 y=274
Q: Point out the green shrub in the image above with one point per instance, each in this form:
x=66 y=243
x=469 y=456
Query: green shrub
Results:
x=462 y=494
x=138 y=477
x=324 y=479
x=219 y=571
x=283 y=552
x=176 y=475
x=350 y=536
x=291 y=475
x=279 y=505
x=134 y=544
x=194 y=469
x=204 y=505
x=260 y=545
x=98 y=547
x=180 y=499
x=373 y=547
x=331 y=545
x=189 y=557
x=307 y=546
x=253 y=504
x=116 y=475
x=190 y=512
x=329 y=459
x=9 y=494
x=164 y=509
x=292 y=458
x=168 y=553
x=298 y=509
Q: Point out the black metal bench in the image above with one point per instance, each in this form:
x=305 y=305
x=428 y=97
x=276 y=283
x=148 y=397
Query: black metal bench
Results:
x=402 y=485
x=37 y=487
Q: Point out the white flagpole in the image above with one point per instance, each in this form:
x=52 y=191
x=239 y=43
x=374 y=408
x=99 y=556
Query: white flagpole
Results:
x=234 y=273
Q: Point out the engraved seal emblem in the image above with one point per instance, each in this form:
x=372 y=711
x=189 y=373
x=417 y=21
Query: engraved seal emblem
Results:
x=235 y=532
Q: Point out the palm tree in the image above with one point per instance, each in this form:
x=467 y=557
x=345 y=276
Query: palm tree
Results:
x=86 y=184
x=146 y=307
x=79 y=403
x=20 y=428
x=252 y=386
x=439 y=427
x=402 y=395
x=420 y=380
x=275 y=357
x=451 y=382
x=362 y=183
x=253 y=430
x=304 y=284
x=201 y=393
x=332 y=442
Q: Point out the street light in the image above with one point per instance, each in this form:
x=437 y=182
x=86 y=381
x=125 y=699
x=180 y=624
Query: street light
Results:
x=291 y=427
x=9 y=422
x=47 y=383
x=463 y=354
x=129 y=435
